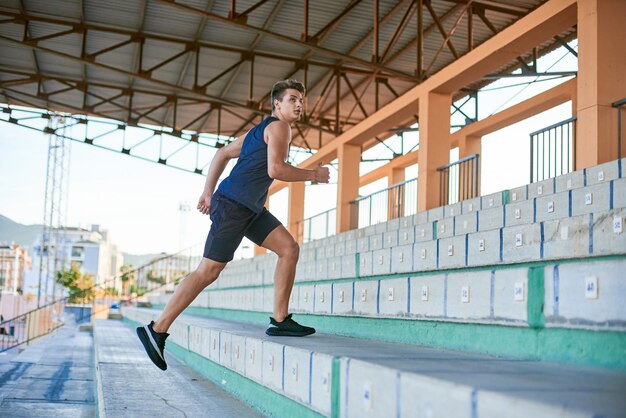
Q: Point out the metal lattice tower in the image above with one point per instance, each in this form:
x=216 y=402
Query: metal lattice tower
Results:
x=52 y=256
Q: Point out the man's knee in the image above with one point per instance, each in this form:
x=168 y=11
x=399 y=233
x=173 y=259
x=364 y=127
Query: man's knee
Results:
x=207 y=273
x=291 y=251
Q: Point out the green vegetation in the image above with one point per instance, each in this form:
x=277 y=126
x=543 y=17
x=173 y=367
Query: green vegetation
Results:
x=79 y=285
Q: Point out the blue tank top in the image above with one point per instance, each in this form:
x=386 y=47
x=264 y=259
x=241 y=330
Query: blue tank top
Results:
x=248 y=182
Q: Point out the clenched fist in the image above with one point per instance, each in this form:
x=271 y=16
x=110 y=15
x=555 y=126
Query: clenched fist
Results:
x=321 y=174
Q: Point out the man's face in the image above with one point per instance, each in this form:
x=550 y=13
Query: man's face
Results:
x=290 y=107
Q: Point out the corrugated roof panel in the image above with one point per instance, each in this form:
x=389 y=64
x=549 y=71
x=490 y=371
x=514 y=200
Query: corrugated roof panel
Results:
x=260 y=17
x=65 y=8
x=167 y=20
x=274 y=46
x=104 y=92
x=27 y=89
x=12 y=31
x=122 y=58
x=214 y=63
x=99 y=40
x=120 y=13
x=226 y=34
x=10 y=4
x=106 y=76
x=155 y=51
x=15 y=57
x=72 y=98
x=49 y=64
x=68 y=44
x=281 y=17
x=358 y=23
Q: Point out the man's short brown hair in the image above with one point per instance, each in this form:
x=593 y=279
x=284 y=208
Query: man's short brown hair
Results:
x=278 y=90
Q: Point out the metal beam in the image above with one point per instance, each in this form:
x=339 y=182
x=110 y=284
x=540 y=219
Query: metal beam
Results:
x=398 y=31
x=308 y=45
x=138 y=36
x=153 y=80
x=549 y=19
x=305 y=59
x=201 y=144
x=402 y=51
x=446 y=40
x=495 y=6
x=333 y=23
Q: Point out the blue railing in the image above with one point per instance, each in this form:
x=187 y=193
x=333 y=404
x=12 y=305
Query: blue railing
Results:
x=393 y=202
x=553 y=150
x=318 y=226
x=459 y=180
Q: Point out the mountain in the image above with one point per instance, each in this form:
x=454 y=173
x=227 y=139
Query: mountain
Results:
x=138 y=260
x=24 y=235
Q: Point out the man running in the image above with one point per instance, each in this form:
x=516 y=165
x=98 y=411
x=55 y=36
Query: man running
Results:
x=237 y=210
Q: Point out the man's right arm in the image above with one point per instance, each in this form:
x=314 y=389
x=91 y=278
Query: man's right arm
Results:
x=218 y=164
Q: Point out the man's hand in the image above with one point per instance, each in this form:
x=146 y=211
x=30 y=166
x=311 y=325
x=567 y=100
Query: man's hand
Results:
x=204 y=204
x=321 y=174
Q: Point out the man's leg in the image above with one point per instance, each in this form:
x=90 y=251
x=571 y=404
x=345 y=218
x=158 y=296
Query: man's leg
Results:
x=282 y=243
x=206 y=273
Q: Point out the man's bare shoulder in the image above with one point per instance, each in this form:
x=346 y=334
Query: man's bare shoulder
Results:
x=277 y=129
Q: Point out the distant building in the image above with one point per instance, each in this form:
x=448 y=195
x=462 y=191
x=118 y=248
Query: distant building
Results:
x=91 y=250
x=14 y=261
x=14 y=264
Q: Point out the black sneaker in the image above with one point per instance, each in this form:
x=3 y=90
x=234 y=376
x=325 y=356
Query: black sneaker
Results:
x=154 y=343
x=288 y=328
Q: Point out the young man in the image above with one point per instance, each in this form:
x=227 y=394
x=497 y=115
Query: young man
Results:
x=237 y=210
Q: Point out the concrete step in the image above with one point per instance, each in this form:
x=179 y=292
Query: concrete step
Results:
x=546 y=231
x=53 y=377
x=128 y=384
x=554 y=295
x=337 y=376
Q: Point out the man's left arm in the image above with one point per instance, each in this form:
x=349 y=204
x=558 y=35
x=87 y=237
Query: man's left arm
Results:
x=278 y=135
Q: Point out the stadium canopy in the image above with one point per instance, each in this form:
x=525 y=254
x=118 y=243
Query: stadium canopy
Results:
x=207 y=66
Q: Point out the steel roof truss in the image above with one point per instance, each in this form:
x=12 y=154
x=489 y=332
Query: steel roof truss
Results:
x=309 y=45
x=447 y=37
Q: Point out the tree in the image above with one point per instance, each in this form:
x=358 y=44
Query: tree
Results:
x=129 y=277
x=79 y=285
x=154 y=278
x=139 y=291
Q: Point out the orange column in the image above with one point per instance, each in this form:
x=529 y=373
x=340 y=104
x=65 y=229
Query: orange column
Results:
x=349 y=157
x=434 y=125
x=395 y=199
x=601 y=80
x=469 y=145
x=296 y=209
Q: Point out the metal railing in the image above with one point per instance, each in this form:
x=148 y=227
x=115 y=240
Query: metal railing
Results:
x=553 y=150
x=318 y=226
x=619 y=106
x=393 y=202
x=97 y=300
x=34 y=324
x=459 y=180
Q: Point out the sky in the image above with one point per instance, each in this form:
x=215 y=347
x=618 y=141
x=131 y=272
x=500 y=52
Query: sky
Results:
x=138 y=201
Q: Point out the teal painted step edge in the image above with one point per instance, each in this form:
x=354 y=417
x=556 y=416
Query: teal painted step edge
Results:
x=258 y=396
x=442 y=272
x=584 y=347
